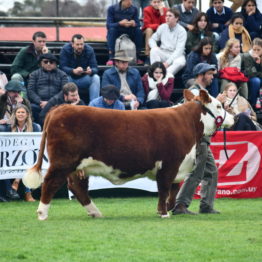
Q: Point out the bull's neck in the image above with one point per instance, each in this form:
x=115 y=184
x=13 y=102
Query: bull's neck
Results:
x=195 y=112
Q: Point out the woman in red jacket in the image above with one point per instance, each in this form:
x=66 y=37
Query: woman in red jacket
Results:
x=154 y=15
x=158 y=86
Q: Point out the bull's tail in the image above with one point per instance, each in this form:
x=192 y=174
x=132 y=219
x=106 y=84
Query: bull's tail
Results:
x=33 y=177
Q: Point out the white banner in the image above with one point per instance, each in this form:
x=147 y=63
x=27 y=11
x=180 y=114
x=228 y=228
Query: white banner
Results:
x=19 y=151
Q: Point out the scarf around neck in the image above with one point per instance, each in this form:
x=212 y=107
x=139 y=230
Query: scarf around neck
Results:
x=246 y=40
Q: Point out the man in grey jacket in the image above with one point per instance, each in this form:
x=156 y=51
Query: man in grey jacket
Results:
x=205 y=170
x=44 y=83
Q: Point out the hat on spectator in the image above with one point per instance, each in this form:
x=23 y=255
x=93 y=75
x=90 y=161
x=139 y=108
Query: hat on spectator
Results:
x=202 y=68
x=122 y=56
x=15 y=86
x=110 y=92
x=48 y=56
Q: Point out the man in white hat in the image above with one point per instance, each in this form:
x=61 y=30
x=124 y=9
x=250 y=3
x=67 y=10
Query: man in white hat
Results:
x=126 y=79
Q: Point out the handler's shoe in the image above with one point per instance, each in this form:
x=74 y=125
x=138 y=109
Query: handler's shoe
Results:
x=181 y=209
x=208 y=211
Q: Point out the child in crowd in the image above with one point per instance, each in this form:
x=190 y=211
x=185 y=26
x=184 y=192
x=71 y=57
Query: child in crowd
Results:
x=245 y=117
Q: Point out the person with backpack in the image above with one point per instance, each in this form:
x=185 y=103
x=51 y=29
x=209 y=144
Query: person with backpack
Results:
x=123 y=18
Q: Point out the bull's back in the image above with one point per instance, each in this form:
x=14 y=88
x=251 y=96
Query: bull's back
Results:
x=120 y=138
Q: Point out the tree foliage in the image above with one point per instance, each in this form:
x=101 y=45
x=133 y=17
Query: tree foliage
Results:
x=68 y=8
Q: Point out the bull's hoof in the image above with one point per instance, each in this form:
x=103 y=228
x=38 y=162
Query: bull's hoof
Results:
x=41 y=216
x=95 y=215
x=165 y=216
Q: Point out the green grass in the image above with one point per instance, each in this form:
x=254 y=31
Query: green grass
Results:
x=131 y=231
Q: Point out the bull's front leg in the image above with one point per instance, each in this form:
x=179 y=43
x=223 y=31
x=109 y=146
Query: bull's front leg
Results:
x=164 y=180
x=171 y=201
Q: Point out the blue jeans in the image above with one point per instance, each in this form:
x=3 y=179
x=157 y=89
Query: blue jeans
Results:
x=134 y=33
x=141 y=4
x=36 y=109
x=254 y=84
x=92 y=83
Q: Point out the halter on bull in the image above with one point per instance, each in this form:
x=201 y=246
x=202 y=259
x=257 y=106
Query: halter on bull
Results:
x=123 y=145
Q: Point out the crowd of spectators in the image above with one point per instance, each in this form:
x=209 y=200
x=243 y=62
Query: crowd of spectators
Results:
x=177 y=40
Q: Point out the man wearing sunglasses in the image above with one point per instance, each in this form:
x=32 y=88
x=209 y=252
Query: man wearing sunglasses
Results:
x=44 y=83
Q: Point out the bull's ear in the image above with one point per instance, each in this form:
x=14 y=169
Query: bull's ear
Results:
x=204 y=97
x=188 y=95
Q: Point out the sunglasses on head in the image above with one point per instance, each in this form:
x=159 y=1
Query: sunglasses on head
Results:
x=48 y=61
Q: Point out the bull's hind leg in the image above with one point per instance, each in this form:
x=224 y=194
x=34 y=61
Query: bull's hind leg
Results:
x=79 y=186
x=171 y=201
x=54 y=180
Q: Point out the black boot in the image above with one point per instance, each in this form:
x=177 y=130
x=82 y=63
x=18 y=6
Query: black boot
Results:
x=12 y=194
x=181 y=209
x=2 y=199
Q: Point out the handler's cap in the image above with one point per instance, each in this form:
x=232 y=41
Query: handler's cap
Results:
x=122 y=56
x=15 y=86
x=202 y=68
x=49 y=57
x=110 y=92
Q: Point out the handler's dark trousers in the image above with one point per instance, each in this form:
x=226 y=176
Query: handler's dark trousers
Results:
x=204 y=171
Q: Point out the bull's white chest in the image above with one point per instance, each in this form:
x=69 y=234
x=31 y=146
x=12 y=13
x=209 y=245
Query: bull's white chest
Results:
x=94 y=167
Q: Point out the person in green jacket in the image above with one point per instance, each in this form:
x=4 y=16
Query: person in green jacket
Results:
x=251 y=66
x=26 y=61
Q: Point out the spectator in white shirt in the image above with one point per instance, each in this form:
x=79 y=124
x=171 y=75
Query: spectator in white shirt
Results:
x=172 y=37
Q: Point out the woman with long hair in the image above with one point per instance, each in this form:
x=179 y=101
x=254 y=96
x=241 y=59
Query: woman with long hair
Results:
x=230 y=57
x=21 y=121
x=203 y=53
x=253 y=18
x=158 y=85
x=201 y=30
x=236 y=30
x=245 y=117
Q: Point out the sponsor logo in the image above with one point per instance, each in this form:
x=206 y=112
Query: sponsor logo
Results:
x=242 y=165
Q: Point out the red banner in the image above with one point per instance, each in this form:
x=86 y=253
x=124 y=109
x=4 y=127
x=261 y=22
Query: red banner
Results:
x=239 y=176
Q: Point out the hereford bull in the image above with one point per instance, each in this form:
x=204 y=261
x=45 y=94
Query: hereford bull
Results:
x=122 y=145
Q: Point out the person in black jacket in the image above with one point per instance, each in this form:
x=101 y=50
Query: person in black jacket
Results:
x=68 y=95
x=44 y=83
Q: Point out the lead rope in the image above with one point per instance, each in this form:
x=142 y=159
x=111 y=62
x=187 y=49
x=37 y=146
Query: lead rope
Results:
x=225 y=140
x=224 y=129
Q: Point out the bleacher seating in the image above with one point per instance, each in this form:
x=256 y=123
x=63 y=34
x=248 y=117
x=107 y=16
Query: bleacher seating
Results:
x=9 y=49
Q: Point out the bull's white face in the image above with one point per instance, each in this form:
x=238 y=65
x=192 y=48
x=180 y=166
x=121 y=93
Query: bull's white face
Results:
x=218 y=111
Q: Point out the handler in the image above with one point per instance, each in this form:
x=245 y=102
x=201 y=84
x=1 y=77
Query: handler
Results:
x=205 y=168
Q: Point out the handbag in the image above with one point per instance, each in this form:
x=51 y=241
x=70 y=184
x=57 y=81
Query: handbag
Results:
x=232 y=74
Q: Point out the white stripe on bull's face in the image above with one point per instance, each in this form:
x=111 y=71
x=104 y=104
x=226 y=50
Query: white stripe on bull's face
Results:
x=94 y=167
x=210 y=122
